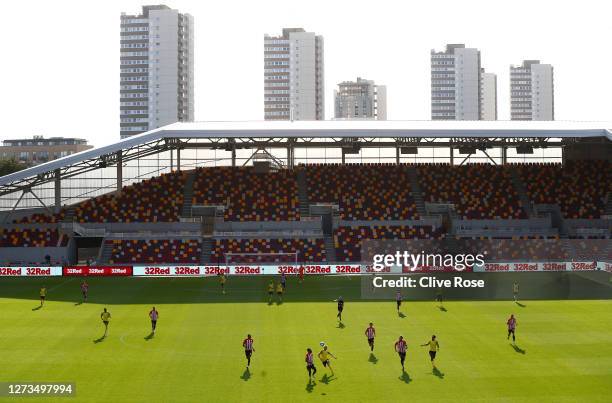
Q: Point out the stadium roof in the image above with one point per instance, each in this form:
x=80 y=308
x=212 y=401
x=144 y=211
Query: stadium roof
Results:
x=253 y=134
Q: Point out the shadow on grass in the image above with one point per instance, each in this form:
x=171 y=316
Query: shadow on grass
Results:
x=246 y=375
x=401 y=315
x=99 y=340
x=279 y=302
x=373 y=358
x=78 y=303
x=327 y=379
x=521 y=305
x=441 y=308
x=37 y=308
x=150 y=336
x=310 y=386
x=405 y=377
x=518 y=349
x=341 y=325
x=438 y=373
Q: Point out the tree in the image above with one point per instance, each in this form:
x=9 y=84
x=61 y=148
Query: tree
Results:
x=10 y=166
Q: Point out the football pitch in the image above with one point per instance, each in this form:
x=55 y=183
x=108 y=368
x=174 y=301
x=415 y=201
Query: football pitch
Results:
x=563 y=351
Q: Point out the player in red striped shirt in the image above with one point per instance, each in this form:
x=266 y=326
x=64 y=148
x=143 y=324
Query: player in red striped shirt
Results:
x=511 y=327
x=84 y=290
x=400 y=348
x=370 y=333
x=310 y=367
x=248 y=349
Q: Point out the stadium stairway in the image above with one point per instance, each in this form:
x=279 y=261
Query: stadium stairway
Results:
x=416 y=192
x=330 y=248
x=206 y=250
x=568 y=247
x=303 y=193
x=519 y=186
x=106 y=251
x=188 y=194
x=69 y=214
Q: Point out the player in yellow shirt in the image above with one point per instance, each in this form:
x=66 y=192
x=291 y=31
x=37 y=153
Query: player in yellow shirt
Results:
x=324 y=356
x=43 y=295
x=270 y=291
x=222 y=281
x=279 y=292
x=105 y=316
x=434 y=346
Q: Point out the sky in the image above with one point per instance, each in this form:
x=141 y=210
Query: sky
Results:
x=59 y=72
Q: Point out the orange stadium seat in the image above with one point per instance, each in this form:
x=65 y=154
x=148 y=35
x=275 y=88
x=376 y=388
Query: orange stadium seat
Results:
x=363 y=191
x=347 y=240
x=157 y=199
x=155 y=251
x=30 y=238
x=247 y=195
x=578 y=187
x=478 y=191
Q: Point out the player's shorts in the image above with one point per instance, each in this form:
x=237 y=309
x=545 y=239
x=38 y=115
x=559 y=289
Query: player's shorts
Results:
x=432 y=355
x=42 y=297
x=370 y=341
x=279 y=293
x=438 y=298
x=340 y=309
x=402 y=356
x=105 y=322
x=325 y=363
x=399 y=303
x=154 y=322
x=511 y=330
x=310 y=366
x=248 y=353
x=270 y=292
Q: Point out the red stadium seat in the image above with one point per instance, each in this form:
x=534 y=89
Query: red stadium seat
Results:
x=155 y=251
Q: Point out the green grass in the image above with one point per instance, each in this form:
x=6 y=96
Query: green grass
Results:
x=196 y=354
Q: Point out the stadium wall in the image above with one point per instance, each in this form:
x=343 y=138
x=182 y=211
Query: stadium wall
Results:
x=26 y=255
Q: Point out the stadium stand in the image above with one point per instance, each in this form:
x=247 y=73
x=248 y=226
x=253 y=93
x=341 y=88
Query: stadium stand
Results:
x=363 y=191
x=30 y=238
x=155 y=251
x=348 y=239
x=271 y=250
x=578 y=187
x=516 y=250
x=40 y=218
x=158 y=199
x=479 y=191
x=247 y=195
x=368 y=193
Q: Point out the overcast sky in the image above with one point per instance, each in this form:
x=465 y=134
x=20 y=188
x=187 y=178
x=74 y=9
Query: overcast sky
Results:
x=59 y=73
